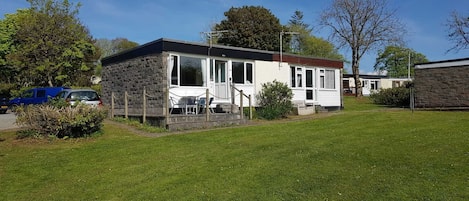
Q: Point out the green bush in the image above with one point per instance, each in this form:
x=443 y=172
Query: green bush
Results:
x=50 y=120
x=396 y=97
x=246 y=112
x=274 y=100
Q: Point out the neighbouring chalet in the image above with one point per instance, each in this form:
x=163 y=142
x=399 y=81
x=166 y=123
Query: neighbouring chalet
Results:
x=371 y=83
x=442 y=84
x=176 y=74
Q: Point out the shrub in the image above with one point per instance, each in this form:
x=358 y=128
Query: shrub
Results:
x=396 y=97
x=274 y=100
x=50 y=120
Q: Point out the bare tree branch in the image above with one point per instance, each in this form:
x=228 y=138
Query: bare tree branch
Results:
x=362 y=25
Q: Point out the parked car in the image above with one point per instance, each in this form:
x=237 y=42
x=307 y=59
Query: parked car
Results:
x=3 y=105
x=86 y=96
x=36 y=96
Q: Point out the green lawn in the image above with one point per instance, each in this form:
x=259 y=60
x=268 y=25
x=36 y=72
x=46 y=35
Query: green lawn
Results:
x=365 y=152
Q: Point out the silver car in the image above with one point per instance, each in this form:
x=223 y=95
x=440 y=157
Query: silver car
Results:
x=86 y=96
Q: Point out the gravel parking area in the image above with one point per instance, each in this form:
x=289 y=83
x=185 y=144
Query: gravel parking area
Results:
x=7 y=121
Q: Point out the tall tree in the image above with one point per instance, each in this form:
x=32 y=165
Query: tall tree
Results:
x=53 y=47
x=251 y=27
x=362 y=25
x=397 y=61
x=304 y=43
x=458 y=28
x=302 y=30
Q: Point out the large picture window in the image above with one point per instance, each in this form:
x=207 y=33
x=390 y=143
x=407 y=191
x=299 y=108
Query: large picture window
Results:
x=327 y=79
x=188 y=71
x=242 y=72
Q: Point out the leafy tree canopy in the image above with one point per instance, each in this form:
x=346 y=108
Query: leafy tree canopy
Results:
x=51 y=46
x=108 y=47
x=395 y=61
x=304 y=43
x=251 y=27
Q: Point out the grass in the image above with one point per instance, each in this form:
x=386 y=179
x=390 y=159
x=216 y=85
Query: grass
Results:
x=363 y=153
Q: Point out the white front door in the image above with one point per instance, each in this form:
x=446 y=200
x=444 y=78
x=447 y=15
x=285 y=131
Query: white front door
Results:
x=221 y=84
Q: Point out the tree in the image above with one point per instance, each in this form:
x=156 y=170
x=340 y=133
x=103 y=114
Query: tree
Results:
x=52 y=47
x=251 y=27
x=362 y=25
x=396 y=61
x=296 y=24
x=8 y=29
x=458 y=27
x=109 y=47
x=304 y=43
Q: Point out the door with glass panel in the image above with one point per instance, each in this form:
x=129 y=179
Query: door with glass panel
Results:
x=221 y=84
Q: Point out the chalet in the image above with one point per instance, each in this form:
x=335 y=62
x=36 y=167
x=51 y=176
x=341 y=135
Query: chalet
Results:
x=371 y=83
x=175 y=74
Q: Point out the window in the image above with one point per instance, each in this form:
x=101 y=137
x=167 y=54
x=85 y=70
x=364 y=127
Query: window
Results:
x=374 y=85
x=309 y=94
x=28 y=94
x=238 y=72
x=327 y=79
x=309 y=78
x=249 y=73
x=175 y=71
x=41 y=93
x=296 y=76
x=242 y=72
x=187 y=71
x=293 y=77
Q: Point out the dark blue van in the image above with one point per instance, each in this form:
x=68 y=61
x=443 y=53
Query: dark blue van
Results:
x=36 y=96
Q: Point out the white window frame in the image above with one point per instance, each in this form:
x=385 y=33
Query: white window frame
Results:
x=245 y=73
x=324 y=79
x=171 y=67
x=296 y=77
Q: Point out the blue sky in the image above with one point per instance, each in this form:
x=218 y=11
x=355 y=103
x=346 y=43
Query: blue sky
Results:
x=143 y=21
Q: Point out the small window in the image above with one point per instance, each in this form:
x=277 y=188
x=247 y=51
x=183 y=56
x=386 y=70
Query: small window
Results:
x=174 y=70
x=309 y=94
x=293 y=77
x=327 y=79
x=249 y=73
x=238 y=72
x=309 y=78
x=242 y=72
x=296 y=76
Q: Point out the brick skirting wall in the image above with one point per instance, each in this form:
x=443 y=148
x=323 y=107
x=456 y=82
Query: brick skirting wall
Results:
x=446 y=87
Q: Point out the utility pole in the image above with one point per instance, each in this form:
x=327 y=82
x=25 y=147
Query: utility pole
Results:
x=408 y=68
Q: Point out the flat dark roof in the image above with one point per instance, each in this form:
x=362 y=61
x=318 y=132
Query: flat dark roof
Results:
x=169 y=45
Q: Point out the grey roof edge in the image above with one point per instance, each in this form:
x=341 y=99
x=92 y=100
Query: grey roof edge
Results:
x=443 y=63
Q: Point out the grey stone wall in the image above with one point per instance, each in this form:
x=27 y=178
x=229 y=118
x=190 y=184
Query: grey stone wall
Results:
x=442 y=87
x=133 y=76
